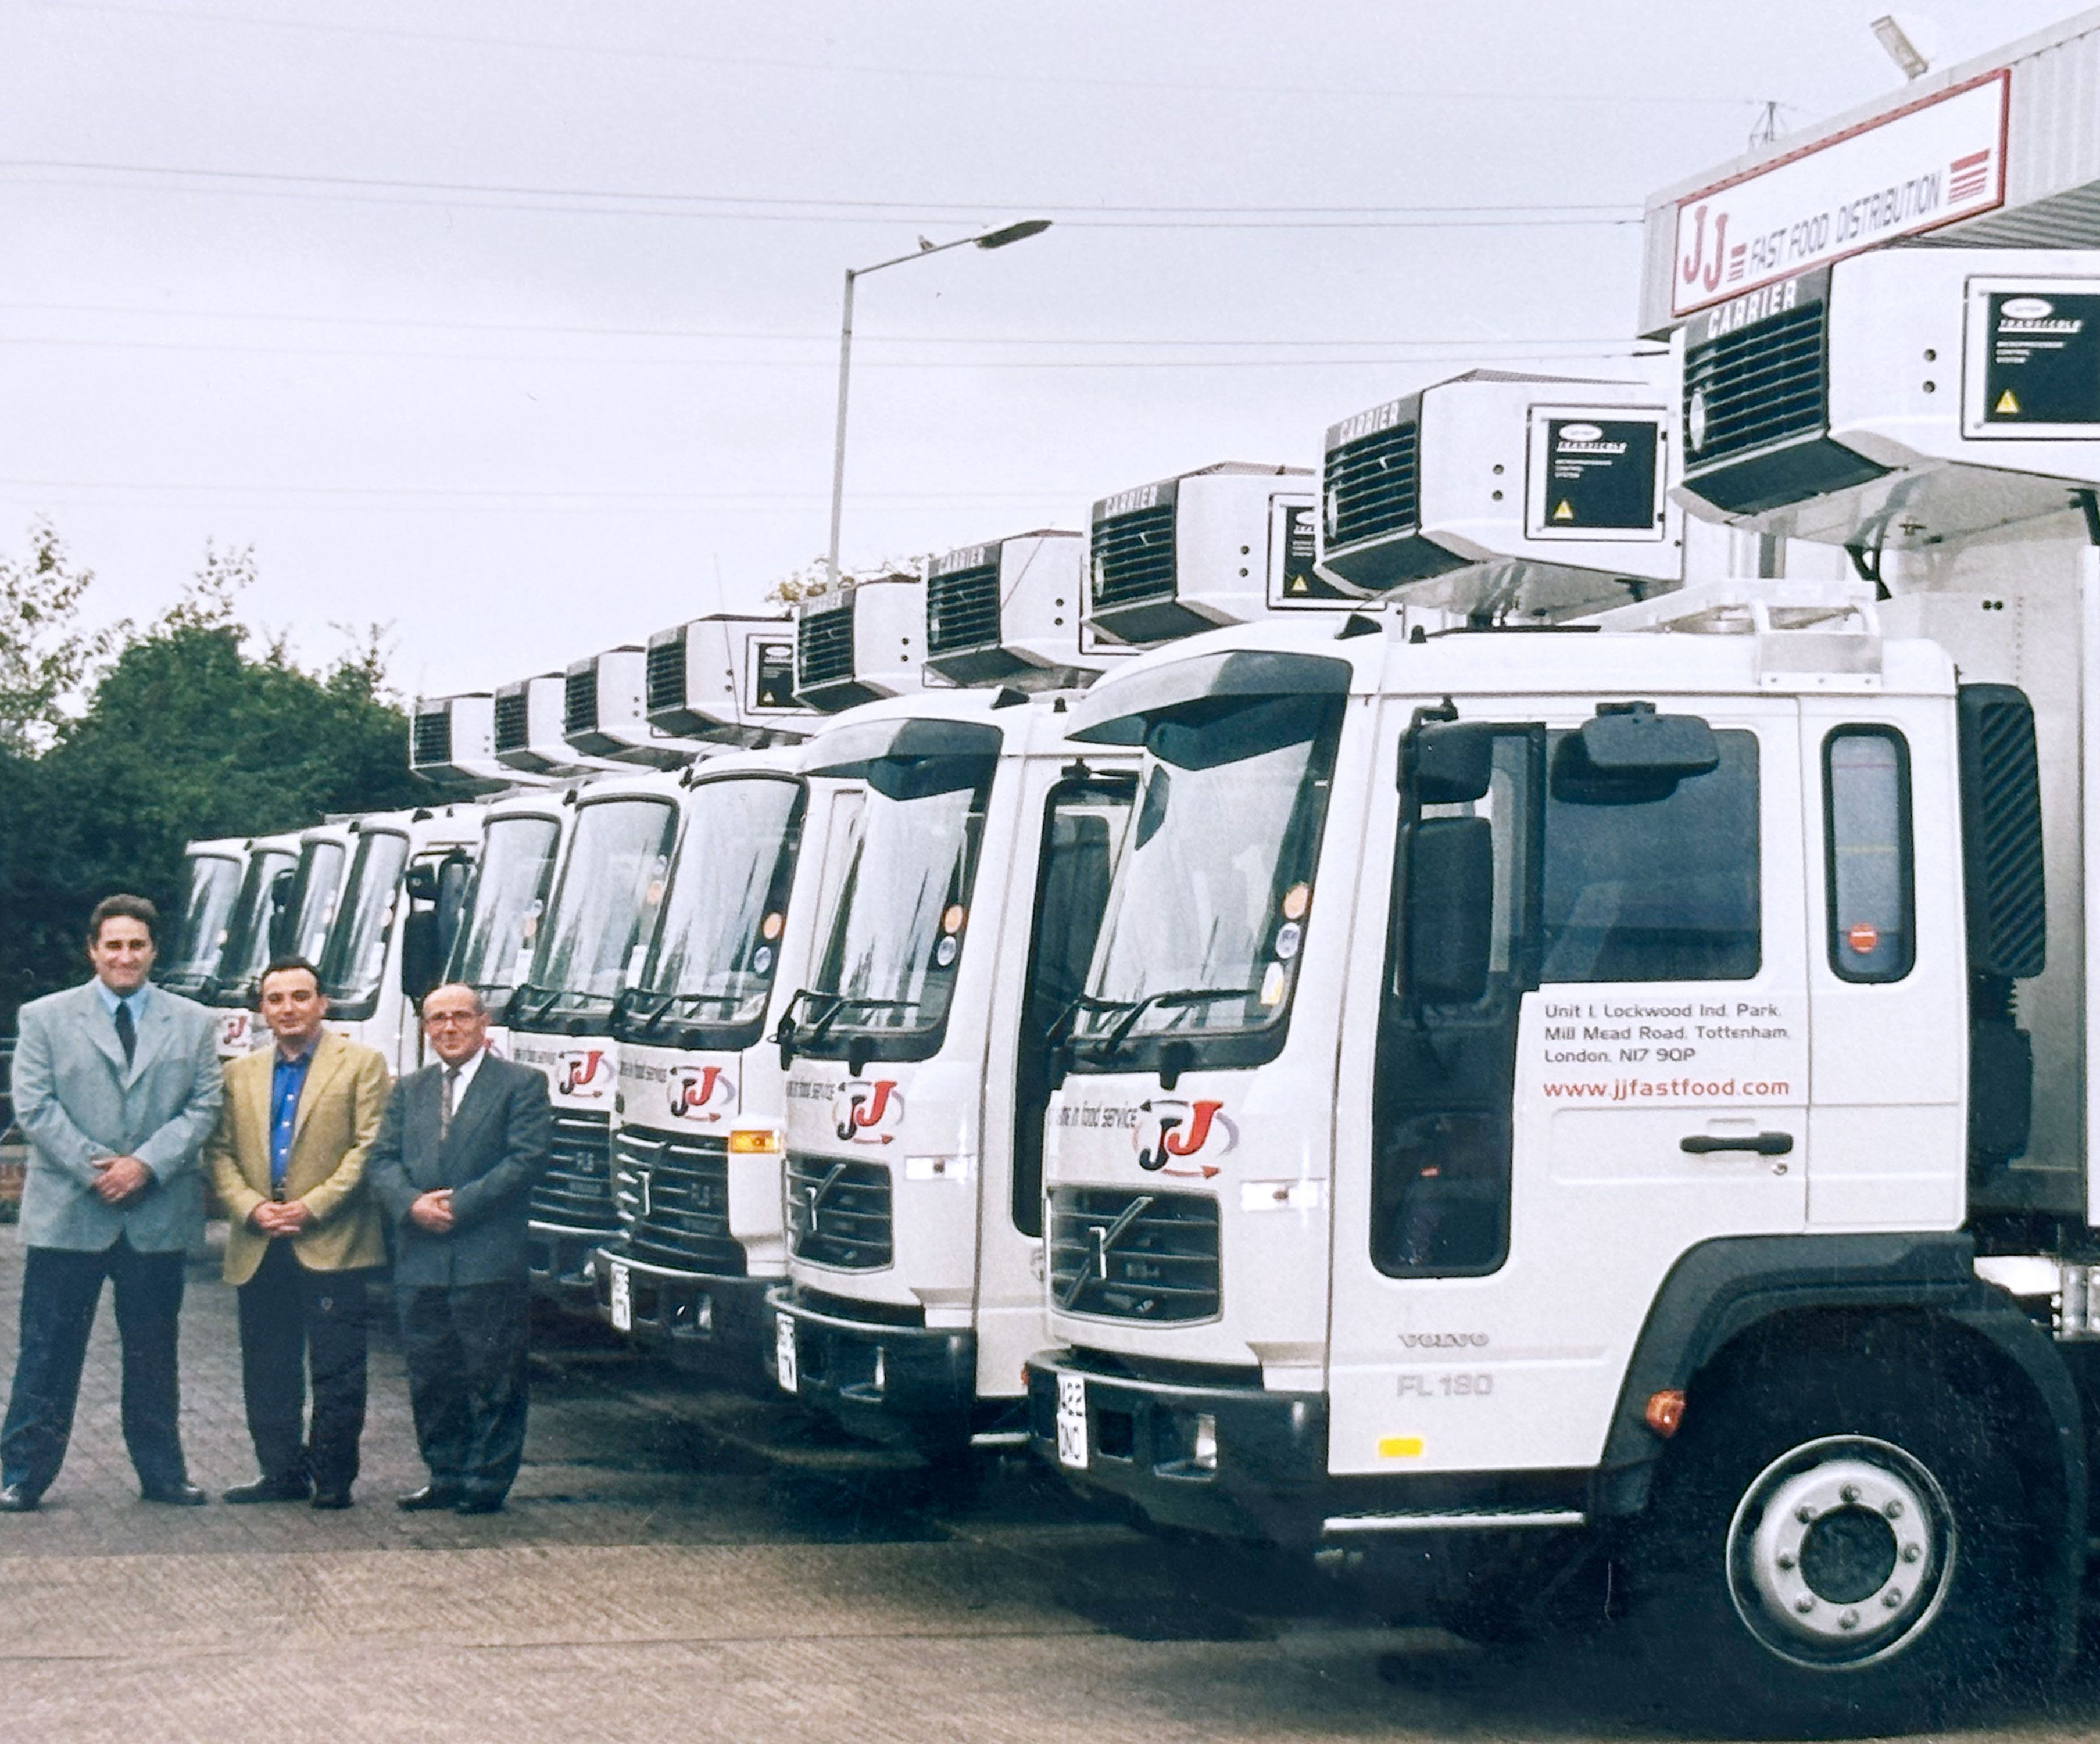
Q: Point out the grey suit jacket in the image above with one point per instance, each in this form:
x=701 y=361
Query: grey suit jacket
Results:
x=78 y=1102
x=494 y=1153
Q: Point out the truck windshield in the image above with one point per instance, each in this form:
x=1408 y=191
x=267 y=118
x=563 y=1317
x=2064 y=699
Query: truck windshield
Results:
x=248 y=933
x=311 y=907
x=718 y=943
x=1213 y=883
x=604 y=906
x=510 y=895
x=903 y=907
x=355 y=959
x=214 y=880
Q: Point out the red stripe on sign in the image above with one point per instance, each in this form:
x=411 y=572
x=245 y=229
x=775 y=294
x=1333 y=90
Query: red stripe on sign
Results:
x=1972 y=158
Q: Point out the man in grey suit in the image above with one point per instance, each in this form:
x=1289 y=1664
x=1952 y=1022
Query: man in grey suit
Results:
x=117 y=1085
x=459 y=1148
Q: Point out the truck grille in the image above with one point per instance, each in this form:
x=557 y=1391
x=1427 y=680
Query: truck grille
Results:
x=1134 y=1256
x=1755 y=388
x=577 y=1191
x=433 y=738
x=1131 y=557
x=962 y=609
x=579 y=702
x=667 y=673
x=512 y=721
x=673 y=1195
x=1374 y=485
x=824 y=647
x=839 y=1213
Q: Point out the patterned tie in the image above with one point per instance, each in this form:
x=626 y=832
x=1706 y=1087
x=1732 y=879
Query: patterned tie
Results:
x=127 y=1032
x=445 y=1103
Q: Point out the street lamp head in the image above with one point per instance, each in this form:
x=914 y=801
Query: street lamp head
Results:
x=1020 y=232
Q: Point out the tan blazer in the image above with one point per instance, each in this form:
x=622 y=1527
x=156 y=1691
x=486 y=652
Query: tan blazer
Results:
x=345 y=1095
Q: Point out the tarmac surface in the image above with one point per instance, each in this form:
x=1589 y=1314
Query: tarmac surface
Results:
x=685 y=1563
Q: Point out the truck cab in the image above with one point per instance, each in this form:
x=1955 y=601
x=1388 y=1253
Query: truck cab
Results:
x=267 y=874
x=211 y=883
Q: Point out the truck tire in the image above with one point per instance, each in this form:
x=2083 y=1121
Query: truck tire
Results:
x=1836 y=1542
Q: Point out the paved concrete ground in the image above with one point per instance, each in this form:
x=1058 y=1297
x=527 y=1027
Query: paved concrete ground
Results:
x=660 y=1575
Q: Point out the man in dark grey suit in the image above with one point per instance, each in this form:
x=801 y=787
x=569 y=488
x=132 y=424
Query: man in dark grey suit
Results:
x=459 y=1148
x=117 y=1085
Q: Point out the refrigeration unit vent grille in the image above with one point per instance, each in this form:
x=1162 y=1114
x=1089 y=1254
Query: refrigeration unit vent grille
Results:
x=667 y=673
x=434 y=737
x=1133 y=557
x=512 y=722
x=824 y=647
x=1374 y=486
x=962 y=609
x=579 y=702
x=1755 y=388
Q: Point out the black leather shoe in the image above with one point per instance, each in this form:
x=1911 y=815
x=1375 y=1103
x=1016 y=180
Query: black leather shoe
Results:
x=331 y=1500
x=175 y=1495
x=17 y=1498
x=270 y=1490
x=478 y=1504
x=430 y=1496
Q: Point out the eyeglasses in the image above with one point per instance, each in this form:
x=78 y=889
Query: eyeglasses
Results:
x=448 y=1020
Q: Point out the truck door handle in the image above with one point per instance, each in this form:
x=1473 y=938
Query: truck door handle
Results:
x=1764 y=1144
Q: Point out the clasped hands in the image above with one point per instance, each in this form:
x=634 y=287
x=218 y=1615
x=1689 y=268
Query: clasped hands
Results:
x=432 y=1212
x=286 y=1217
x=118 y=1178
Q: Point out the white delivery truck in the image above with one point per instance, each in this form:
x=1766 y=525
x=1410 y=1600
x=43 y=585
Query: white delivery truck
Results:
x=188 y=958
x=969 y=894
x=402 y=893
x=699 y=1114
x=1638 y=1120
x=522 y=834
x=266 y=882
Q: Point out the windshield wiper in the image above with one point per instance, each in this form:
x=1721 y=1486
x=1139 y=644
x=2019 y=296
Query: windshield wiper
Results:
x=841 y=1001
x=1104 y=1047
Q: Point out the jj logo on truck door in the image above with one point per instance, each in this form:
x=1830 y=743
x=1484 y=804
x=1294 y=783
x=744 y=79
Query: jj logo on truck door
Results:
x=699 y=1093
x=1195 y=1135
x=865 y=1112
x=582 y=1072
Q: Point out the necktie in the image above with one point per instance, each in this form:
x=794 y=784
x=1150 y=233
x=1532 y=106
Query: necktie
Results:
x=445 y=1103
x=127 y=1032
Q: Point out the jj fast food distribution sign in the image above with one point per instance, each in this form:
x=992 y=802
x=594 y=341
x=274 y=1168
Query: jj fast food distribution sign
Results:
x=1936 y=161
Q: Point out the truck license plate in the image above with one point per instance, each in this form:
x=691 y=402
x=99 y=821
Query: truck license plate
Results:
x=1072 y=1421
x=623 y=1299
x=783 y=1351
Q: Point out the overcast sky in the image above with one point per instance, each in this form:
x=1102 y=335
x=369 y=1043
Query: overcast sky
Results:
x=514 y=325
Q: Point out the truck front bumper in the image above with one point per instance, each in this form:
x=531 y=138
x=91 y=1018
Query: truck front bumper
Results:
x=562 y=1262
x=912 y=1386
x=1229 y=1461
x=709 y=1325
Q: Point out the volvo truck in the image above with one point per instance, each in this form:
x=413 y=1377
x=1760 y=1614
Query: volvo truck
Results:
x=1636 y=1129
x=699 y=1115
x=967 y=892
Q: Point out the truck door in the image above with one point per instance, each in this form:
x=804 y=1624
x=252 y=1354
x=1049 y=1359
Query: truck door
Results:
x=1537 y=1144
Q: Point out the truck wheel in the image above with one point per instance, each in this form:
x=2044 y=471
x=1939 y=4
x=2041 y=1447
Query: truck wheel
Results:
x=1832 y=1542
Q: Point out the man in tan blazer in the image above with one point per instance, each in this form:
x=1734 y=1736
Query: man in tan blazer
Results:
x=303 y=1235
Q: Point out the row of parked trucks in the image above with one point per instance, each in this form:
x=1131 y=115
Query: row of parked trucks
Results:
x=1512 y=1014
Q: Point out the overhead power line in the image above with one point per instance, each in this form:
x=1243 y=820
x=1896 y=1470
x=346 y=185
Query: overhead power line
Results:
x=916 y=71
x=636 y=203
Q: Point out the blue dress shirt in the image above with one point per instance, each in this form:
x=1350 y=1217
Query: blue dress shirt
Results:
x=136 y=999
x=288 y=1077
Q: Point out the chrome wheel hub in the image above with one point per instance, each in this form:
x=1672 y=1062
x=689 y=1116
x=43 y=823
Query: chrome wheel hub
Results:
x=1840 y=1552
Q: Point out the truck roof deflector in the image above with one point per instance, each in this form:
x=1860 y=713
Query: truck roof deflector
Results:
x=1118 y=715
x=847 y=751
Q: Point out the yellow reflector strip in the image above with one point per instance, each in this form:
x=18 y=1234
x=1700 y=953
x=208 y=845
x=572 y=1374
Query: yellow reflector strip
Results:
x=754 y=1141
x=1400 y=1447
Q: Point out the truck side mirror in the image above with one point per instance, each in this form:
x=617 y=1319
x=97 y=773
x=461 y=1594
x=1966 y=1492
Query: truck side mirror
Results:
x=1450 y=762
x=280 y=919
x=422 y=962
x=1450 y=909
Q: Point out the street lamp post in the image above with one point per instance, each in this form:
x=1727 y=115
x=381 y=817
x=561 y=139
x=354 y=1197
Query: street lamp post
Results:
x=995 y=238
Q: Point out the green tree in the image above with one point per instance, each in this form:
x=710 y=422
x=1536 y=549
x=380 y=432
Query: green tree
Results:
x=193 y=728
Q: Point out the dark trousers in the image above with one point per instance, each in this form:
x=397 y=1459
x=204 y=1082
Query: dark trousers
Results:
x=465 y=1347
x=61 y=1291
x=292 y=1319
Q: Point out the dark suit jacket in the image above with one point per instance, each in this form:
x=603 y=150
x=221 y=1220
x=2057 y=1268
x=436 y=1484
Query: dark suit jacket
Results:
x=494 y=1153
